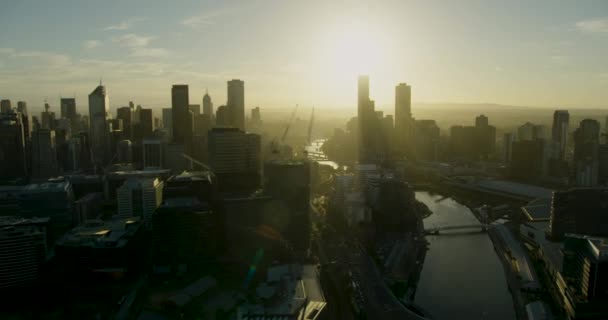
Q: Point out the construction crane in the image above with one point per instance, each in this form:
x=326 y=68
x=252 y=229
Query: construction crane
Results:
x=273 y=143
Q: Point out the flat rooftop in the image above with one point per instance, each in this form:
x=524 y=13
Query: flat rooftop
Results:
x=538 y=209
x=102 y=234
x=7 y=221
x=515 y=188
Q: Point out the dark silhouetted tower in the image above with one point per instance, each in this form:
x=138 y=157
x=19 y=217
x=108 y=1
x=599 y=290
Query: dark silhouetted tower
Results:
x=561 y=118
x=182 y=123
x=236 y=103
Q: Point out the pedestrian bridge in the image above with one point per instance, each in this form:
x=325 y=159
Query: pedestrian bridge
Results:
x=437 y=230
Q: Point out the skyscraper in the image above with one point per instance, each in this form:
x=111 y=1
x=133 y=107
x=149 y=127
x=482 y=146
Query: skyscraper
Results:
x=168 y=121
x=44 y=154
x=561 y=118
x=99 y=104
x=125 y=114
x=403 y=114
x=207 y=104
x=68 y=108
x=367 y=119
x=13 y=163
x=195 y=109
x=586 y=160
x=182 y=123
x=22 y=107
x=236 y=103
x=5 y=106
x=235 y=157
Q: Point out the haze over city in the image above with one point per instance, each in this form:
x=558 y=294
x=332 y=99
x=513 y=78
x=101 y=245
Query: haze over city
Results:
x=247 y=160
x=541 y=53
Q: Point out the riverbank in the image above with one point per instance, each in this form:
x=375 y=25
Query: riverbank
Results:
x=512 y=277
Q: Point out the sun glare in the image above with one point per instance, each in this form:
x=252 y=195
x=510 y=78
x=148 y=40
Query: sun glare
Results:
x=354 y=49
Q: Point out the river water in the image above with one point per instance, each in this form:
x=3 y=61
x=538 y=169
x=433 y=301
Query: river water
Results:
x=462 y=277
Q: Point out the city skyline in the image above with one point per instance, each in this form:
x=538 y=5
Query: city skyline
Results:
x=494 y=54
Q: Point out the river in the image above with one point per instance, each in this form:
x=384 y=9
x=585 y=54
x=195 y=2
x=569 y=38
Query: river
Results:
x=462 y=278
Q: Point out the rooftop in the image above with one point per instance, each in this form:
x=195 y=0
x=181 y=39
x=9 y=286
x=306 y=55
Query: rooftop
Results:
x=598 y=245
x=46 y=187
x=290 y=289
x=102 y=234
x=515 y=188
x=538 y=209
x=6 y=221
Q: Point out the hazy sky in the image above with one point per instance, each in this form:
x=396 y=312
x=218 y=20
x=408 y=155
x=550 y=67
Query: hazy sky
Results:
x=541 y=53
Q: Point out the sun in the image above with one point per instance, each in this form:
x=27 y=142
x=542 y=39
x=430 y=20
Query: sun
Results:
x=353 y=49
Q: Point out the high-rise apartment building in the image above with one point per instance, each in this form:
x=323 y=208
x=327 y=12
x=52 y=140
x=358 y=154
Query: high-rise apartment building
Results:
x=236 y=103
x=99 y=104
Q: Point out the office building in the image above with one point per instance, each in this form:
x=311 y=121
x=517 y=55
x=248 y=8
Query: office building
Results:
x=181 y=116
x=53 y=199
x=581 y=211
x=68 y=108
x=13 y=159
x=23 y=251
x=125 y=114
x=195 y=109
x=207 y=105
x=403 y=115
x=235 y=158
x=44 y=154
x=559 y=132
x=507 y=145
x=22 y=107
x=586 y=156
x=47 y=118
x=188 y=226
x=124 y=152
x=603 y=164
x=289 y=181
x=88 y=207
x=99 y=104
x=236 y=103
x=485 y=136
x=139 y=197
x=145 y=126
x=152 y=153
x=530 y=131
x=168 y=121
x=426 y=140
x=528 y=161
x=113 y=180
x=222 y=117
x=114 y=247
x=174 y=159
x=5 y=106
